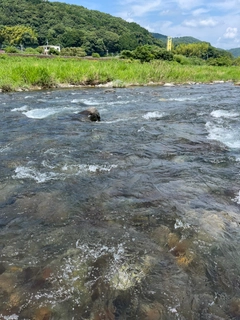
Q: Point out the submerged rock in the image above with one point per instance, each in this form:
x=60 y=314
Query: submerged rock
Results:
x=43 y=313
x=90 y=114
x=152 y=311
x=109 y=91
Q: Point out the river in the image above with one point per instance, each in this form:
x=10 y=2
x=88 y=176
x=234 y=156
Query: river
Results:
x=133 y=217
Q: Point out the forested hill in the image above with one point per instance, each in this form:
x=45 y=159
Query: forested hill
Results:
x=73 y=26
x=185 y=40
x=176 y=40
x=235 y=52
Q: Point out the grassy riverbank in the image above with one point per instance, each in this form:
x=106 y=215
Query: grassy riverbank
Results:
x=32 y=72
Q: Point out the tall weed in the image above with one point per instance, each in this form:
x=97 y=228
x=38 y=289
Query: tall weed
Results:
x=17 y=71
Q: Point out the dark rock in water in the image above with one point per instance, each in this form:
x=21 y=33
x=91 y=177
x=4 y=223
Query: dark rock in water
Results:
x=109 y=91
x=2 y=268
x=90 y=114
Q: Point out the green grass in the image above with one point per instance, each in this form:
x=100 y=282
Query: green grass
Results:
x=31 y=72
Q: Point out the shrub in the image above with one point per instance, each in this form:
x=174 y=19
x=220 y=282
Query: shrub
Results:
x=43 y=78
x=95 y=55
x=6 y=88
x=236 y=62
x=31 y=51
x=143 y=54
x=194 y=61
x=181 y=59
x=221 y=61
x=73 y=51
x=40 y=50
x=3 y=56
x=147 y=53
x=126 y=54
x=11 y=49
x=53 y=51
x=161 y=53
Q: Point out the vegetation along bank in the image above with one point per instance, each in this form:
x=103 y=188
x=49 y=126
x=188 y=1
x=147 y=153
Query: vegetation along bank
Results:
x=123 y=53
x=27 y=73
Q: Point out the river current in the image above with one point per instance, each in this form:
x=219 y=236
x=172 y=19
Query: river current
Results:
x=133 y=217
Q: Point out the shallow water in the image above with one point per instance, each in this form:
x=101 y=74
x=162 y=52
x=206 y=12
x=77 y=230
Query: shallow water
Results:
x=133 y=217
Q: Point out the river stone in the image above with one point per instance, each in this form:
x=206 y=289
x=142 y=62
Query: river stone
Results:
x=42 y=205
x=161 y=235
x=153 y=311
x=43 y=313
x=90 y=114
x=109 y=91
x=169 y=84
x=234 y=308
x=218 y=81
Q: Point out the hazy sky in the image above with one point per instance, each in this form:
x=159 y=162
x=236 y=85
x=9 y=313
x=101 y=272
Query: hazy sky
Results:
x=214 y=21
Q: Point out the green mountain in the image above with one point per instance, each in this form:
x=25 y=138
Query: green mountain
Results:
x=235 y=52
x=176 y=40
x=160 y=36
x=185 y=40
x=73 y=26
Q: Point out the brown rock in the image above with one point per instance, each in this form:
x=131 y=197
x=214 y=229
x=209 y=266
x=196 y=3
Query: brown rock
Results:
x=152 y=311
x=43 y=313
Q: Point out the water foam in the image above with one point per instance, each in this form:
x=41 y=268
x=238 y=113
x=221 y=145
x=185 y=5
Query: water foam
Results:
x=40 y=113
x=119 y=120
x=182 y=99
x=121 y=273
x=11 y=317
x=227 y=136
x=237 y=198
x=33 y=174
x=152 y=115
x=59 y=172
x=224 y=114
x=6 y=148
x=88 y=102
x=110 y=103
x=92 y=168
x=21 y=109
x=70 y=281
x=180 y=224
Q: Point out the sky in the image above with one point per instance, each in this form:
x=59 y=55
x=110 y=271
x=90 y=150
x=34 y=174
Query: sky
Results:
x=214 y=21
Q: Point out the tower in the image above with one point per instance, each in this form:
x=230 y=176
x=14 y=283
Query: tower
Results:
x=169 y=43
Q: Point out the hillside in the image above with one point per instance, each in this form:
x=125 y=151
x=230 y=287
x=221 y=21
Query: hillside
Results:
x=159 y=36
x=185 y=40
x=74 y=26
x=176 y=40
x=235 y=52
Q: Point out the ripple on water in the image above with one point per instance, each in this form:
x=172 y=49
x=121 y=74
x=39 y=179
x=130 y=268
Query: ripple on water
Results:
x=130 y=217
x=60 y=173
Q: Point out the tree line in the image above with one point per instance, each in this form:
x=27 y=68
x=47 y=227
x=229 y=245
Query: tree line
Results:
x=39 y=22
x=33 y=23
x=187 y=54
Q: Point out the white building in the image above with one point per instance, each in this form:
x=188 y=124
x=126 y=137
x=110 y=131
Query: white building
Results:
x=48 y=47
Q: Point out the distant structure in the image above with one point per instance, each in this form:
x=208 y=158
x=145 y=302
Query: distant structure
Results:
x=48 y=47
x=169 y=43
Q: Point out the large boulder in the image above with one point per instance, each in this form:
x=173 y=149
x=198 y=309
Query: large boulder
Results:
x=90 y=114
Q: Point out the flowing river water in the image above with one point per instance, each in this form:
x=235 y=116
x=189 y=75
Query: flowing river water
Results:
x=133 y=217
